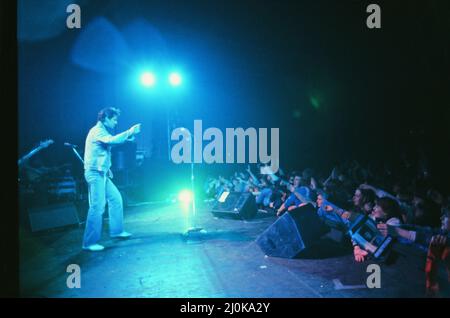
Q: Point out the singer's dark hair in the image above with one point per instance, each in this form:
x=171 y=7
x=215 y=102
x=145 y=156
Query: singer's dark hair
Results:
x=108 y=112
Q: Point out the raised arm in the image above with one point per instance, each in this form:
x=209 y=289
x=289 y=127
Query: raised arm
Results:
x=379 y=193
x=303 y=199
x=255 y=179
x=104 y=137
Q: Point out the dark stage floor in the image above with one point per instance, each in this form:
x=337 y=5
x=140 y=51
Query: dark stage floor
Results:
x=225 y=262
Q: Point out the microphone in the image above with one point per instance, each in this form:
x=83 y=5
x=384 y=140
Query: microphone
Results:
x=70 y=145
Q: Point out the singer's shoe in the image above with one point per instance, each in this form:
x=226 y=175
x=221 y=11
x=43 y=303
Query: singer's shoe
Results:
x=122 y=235
x=94 y=248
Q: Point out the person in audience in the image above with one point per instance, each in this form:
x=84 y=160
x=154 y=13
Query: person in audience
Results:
x=299 y=195
x=386 y=211
x=268 y=183
x=363 y=202
x=435 y=241
x=330 y=213
x=420 y=235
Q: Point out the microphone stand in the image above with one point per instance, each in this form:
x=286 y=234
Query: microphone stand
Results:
x=77 y=154
x=194 y=231
x=82 y=161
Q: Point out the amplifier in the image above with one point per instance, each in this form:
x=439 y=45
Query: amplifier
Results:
x=235 y=205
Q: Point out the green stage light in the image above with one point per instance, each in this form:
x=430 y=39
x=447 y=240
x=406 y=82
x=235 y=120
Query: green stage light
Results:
x=185 y=196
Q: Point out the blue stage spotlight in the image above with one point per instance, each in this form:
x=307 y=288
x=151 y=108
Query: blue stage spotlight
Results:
x=148 y=79
x=174 y=79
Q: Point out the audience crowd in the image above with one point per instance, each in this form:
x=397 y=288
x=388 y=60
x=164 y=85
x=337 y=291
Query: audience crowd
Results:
x=401 y=200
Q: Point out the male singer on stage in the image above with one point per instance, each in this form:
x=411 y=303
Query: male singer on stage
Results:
x=97 y=164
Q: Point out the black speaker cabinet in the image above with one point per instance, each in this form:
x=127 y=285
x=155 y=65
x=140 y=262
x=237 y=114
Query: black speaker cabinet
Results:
x=293 y=233
x=235 y=205
x=53 y=216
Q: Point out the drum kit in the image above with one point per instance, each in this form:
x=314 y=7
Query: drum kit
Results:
x=57 y=183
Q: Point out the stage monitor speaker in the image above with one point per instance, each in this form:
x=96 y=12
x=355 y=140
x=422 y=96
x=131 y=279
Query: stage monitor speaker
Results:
x=235 y=205
x=53 y=216
x=292 y=234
